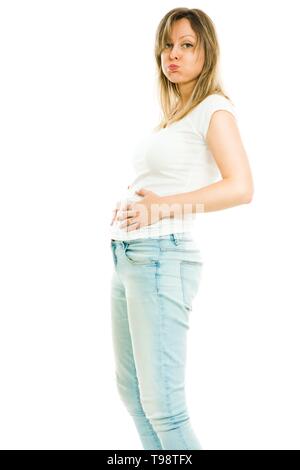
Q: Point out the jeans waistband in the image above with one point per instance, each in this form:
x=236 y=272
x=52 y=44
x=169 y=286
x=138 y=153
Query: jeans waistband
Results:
x=172 y=236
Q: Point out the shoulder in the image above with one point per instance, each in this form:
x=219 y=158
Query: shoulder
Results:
x=214 y=101
x=202 y=113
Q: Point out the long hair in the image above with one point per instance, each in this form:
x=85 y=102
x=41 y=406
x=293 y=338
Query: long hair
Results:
x=208 y=81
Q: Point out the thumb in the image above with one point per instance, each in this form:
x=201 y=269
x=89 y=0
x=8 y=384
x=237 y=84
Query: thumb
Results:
x=142 y=191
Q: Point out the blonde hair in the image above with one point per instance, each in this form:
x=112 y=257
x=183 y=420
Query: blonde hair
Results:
x=208 y=81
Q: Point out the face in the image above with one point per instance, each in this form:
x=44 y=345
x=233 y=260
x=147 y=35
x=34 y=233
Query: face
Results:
x=180 y=50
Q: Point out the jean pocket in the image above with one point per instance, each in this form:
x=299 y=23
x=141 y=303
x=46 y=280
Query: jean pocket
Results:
x=112 y=247
x=190 y=275
x=141 y=254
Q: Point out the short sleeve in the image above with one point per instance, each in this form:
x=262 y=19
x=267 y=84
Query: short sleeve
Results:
x=204 y=111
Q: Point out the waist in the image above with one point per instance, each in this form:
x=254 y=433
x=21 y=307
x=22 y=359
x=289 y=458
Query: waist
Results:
x=183 y=236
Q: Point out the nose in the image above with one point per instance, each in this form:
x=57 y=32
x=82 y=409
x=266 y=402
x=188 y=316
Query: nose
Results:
x=174 y=53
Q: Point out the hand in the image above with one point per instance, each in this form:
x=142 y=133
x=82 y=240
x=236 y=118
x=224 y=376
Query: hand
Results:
x=115 y=211
x=140 y=214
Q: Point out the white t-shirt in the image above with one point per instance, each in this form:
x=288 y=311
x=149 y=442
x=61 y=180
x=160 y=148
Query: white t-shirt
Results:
x=174 y=160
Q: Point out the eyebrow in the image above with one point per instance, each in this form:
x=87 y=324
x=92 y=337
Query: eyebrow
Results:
x=187 y=35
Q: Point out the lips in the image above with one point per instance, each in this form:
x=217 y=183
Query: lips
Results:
x=173 y=67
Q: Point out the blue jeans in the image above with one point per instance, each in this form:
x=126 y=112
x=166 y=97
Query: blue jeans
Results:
x=153 y=285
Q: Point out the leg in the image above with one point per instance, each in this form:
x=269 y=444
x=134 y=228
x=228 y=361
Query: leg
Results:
x=159 y=303
x=125 y=371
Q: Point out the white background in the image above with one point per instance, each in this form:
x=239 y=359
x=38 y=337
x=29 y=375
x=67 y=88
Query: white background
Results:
x=77 y=88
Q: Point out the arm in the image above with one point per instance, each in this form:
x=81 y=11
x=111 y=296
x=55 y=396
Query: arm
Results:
x=236 y=187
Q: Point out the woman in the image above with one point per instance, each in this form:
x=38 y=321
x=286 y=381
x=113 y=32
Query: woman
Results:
x=157 y=263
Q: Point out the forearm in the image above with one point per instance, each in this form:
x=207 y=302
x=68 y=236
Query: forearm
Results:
x=217 y=196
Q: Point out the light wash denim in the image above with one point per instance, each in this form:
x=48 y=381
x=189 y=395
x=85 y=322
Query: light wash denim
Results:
x=153 y=285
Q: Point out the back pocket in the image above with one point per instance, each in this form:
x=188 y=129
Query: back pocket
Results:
x=190 y=275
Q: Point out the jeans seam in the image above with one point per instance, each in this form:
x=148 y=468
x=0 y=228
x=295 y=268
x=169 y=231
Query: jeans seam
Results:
x=161 y=333
x=162 y=352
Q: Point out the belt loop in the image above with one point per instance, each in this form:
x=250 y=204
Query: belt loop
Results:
x=174 y=238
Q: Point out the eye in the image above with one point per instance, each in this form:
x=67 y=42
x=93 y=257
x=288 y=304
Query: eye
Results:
x=185 y=44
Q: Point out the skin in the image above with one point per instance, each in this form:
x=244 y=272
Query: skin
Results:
x=223 y=140
x=182 y=51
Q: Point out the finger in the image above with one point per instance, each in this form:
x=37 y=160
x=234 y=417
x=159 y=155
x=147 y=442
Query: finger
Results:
x=114 y=216
x=127 y=214
x=115 y=210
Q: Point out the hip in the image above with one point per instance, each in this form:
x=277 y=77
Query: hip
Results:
x=152 y=251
